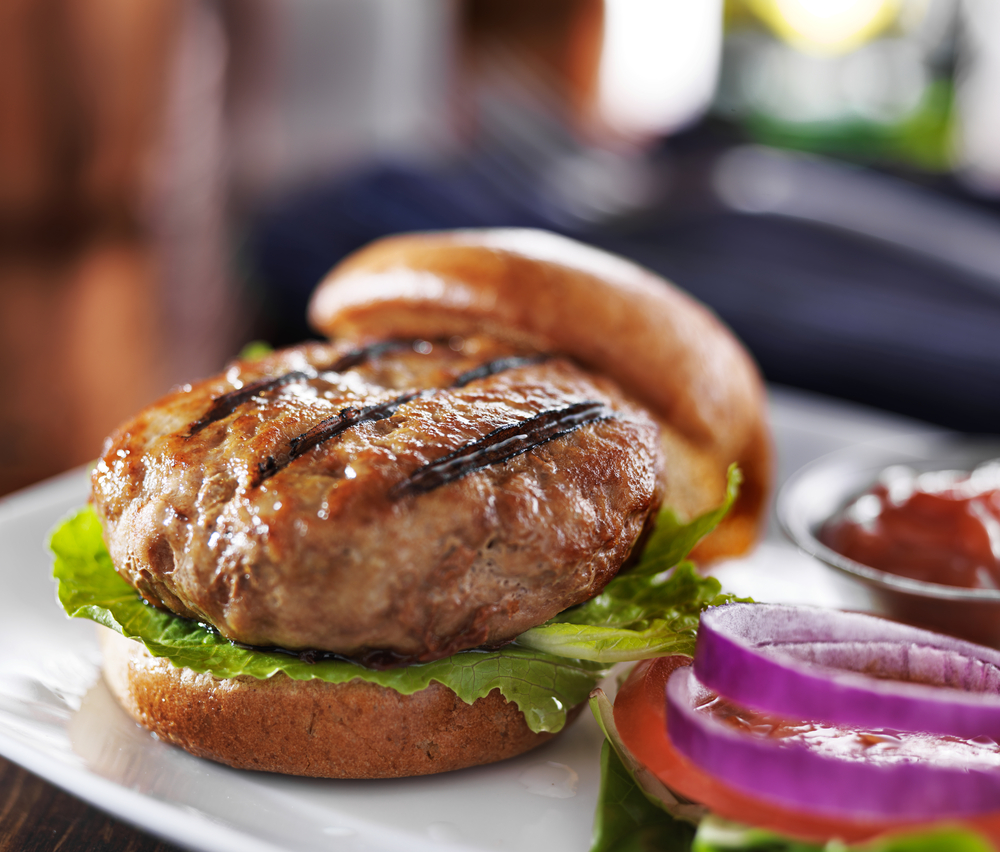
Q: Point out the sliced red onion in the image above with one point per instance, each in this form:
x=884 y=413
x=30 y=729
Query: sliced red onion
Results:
x=848 y=783
x=849 y=668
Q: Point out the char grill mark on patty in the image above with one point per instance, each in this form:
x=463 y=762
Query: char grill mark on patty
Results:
x=346 y=418
x=357 y=357
x=330 y=428
x=224 y=405
x=501 y=445
x=499 y=365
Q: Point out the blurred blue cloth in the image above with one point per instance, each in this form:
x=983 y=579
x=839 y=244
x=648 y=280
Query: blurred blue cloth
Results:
x=820 y=309
x=296 y=243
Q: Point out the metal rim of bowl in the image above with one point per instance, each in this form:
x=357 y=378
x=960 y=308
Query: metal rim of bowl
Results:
x=799 y=528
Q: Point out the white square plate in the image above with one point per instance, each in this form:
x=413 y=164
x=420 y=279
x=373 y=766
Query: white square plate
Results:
x=58 y=719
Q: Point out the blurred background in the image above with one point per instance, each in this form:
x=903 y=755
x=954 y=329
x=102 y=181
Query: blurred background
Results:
x=176 y=176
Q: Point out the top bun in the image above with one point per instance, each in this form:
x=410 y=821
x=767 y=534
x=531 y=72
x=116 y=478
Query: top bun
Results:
x=614 y=317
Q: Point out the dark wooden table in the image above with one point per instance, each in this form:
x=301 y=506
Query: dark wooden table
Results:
x=36 y=816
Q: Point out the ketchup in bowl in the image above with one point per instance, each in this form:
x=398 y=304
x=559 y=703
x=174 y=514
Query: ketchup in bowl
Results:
x=939 y=527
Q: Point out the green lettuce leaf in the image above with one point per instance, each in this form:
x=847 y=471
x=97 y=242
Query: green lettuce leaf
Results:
x=254 y=350
x=673 y=539
x=663 y=800
x=634 y=618
x=650 y=611
x=627 y=821
x=717 y=835
x=545 y=672
x=544 y=687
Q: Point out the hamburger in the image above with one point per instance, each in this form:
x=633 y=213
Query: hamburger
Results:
x=417 y=546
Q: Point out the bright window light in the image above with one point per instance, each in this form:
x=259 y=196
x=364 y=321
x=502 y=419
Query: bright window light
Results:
x=827 y=26
x=659 y=62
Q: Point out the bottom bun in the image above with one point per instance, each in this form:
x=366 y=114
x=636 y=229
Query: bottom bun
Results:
x=325 y=730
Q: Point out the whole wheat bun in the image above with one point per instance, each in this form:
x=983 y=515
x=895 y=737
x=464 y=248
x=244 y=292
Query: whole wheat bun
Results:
x=312 y=728
x=546 y=291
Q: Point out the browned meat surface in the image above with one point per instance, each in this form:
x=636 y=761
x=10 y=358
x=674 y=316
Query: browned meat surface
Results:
x=415 y=499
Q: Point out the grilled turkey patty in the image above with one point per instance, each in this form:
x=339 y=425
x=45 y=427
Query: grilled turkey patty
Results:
x=403 y=501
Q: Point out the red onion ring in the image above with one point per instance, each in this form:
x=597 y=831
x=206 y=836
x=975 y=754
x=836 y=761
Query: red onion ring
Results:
x=849 y=668
x=791 y=774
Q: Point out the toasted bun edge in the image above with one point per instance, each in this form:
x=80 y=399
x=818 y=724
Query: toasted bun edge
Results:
x=312 y=728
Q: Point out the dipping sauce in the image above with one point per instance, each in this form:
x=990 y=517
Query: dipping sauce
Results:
x=939 y=527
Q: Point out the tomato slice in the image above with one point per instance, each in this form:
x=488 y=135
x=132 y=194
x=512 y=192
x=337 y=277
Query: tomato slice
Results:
x=640 y=716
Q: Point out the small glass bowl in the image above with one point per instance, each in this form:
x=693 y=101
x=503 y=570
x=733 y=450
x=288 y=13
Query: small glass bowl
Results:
x=821 y=489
